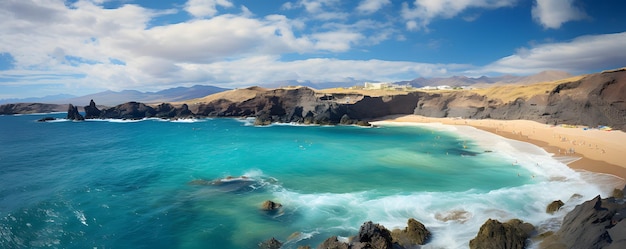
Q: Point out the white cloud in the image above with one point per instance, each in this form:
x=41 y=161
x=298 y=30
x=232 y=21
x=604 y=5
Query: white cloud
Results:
x=594 y=52
x=371 y=6
x=423 y=12
x=205 y=8
x=553 y=13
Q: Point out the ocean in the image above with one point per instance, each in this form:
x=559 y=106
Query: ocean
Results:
x=200 y=183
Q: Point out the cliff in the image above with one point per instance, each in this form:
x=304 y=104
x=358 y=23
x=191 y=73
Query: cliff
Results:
x=592 y=100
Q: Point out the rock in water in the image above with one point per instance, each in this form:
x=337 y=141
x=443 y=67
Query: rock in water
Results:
x=554 y=206
x=333 y=243
x=73 y=114
x=496 y=235
x=46 y=119
x=373 y=236
x=92 y=111
x=414 y=234
x=270 y=244
x=270 y=206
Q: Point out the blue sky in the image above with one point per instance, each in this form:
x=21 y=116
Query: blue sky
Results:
x=79 y=47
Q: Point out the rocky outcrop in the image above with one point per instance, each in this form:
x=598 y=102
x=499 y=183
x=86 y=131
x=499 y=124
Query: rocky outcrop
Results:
x=270 y=206
x=297 y=105
x=333 y=243
x=135 y=110
x=496 y=235
x=372 y=236
x=554 y=206
x=414 y=234
x=597 y=223
x=92 y=111
x=73 y=114
x=270 y=244
x=376 y=236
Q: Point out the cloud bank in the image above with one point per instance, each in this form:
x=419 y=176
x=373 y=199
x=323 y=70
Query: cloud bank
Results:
x=82 y=45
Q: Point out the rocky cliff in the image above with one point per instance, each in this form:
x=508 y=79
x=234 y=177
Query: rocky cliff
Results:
x=597 y=99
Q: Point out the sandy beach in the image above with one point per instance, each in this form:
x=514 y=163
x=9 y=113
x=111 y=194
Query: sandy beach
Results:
x=591 y=149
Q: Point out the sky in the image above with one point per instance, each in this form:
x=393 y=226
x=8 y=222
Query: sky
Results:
x=79 y=47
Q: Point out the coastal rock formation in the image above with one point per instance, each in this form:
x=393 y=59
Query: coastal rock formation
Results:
x=270 y=244
x=496 y=235
x=92 y=111
x=135 y=110
x=376 y=236
x=297 y=105
x=414 y=234
x=372 y=236
x=554 y=206
x=597 y=223
x=73 y=114
x=270 y=206
x=333 y=243
x=596 y=99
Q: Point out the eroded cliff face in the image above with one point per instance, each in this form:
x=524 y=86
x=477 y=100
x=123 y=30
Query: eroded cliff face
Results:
x=597 y=99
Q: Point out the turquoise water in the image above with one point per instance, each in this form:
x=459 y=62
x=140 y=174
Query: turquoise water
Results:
x=125 y=184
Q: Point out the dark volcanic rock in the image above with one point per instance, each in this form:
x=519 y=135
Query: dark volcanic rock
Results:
x=414 y=234
x=73 y=114
x=46 y=119
x=270 y=244
x=510 y=235
x=373 y=236
x=333 y=243
x=554 y=206
x=92 y=111
x=130 y=110
x=270 y=205
x=597 y=223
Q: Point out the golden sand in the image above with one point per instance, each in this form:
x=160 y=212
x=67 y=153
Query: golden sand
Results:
x=599 y=151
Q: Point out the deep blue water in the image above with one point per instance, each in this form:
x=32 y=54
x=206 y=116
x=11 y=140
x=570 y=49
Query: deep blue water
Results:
x=114 y=184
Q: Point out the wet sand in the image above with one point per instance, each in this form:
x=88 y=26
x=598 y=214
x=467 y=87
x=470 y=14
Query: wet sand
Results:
x=592 y=149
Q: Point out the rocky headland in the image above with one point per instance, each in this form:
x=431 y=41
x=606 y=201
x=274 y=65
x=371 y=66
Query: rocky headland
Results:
x=592 y=100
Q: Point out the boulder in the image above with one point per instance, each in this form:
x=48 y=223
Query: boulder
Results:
x=73 y=114
x=414 y=234
x=554 y=206
x=618 y=193
x=373 y=236
x=596 y=223
x=333 y=243
x=496 y=235
x=270 y=244
x=270 y=206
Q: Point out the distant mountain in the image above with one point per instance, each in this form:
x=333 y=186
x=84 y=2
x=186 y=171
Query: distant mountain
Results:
x=504 y=79
x=111 y=98
x=46 y=99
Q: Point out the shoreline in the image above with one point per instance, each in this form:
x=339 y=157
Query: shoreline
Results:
x=597 y=151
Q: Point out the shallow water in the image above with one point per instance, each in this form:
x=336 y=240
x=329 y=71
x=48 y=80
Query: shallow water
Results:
x=127 y=184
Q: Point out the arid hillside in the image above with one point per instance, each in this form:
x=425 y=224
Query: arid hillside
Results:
x=592 y=100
